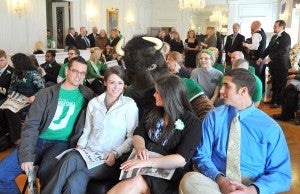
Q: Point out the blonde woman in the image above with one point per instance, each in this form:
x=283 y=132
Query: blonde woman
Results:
x=96 y=64
x=175 y=65
x=176 y=43
x=211 y=40
x=114 y=39
x=206 y=76
x=38 y=47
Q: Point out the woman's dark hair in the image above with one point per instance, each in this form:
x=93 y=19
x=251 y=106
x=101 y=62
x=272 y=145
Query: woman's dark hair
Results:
x=22 y=64
x=119 y=71
x=34 y=61
x=175 y=102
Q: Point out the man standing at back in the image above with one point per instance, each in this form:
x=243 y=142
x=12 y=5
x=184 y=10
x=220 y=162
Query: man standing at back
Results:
x=277 y=56
x=234 y=42
x=82 y=41
x=53 y=124
x=92 y=36
x=256 y=46
x=70 y=38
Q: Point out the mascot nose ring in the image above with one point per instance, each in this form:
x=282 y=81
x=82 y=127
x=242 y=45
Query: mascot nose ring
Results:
x=152 y=67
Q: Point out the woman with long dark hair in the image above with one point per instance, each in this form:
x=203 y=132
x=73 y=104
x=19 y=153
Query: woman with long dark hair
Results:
x=170 y=129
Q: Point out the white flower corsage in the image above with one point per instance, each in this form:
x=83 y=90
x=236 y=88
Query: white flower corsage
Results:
x=179 y=124
x=8 y=72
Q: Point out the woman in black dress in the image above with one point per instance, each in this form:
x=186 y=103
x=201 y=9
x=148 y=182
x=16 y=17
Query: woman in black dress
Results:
x=191 y=48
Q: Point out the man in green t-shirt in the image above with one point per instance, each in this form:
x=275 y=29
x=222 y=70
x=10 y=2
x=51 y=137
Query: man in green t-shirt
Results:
x=54 y=123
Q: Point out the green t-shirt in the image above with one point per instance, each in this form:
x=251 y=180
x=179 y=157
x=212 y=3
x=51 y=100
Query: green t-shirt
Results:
x=70 y=103
x=219 y=67
x=62 y=71
x=257 y=95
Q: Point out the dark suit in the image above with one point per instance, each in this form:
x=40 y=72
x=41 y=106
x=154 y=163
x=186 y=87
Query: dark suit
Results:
x=168 y=38
x=70 y=41
x=81 y=43
x=92 y=39
x=279 y=53
x=52 y=70
x=236 y=45
x=5 y=79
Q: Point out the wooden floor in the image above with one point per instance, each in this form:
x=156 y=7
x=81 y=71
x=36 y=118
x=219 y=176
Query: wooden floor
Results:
x=291 y=131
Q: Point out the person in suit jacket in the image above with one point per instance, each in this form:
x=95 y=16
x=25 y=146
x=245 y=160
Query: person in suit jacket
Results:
x=82 y=42
x=50 y=68
x=70 y=38
x=92 y=36
x=277 y=56
x=5 y=76
x=234 y=42
x=169 y=36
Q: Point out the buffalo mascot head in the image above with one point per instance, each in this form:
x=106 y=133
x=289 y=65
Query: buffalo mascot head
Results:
x=145 y=63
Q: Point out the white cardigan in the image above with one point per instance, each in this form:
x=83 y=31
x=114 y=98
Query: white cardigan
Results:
x=110 y=130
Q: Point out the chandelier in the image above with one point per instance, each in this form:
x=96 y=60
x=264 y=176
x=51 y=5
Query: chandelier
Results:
x=20 y=6
x=218 y=18
x=191 y=4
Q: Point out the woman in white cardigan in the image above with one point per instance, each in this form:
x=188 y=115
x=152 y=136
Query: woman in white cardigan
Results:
x=110 y=121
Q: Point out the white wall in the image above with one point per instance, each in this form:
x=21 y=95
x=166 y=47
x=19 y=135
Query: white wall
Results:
x=19 y=33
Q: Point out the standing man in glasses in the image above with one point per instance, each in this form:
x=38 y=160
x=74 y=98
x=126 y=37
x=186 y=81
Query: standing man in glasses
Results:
x=53 y=124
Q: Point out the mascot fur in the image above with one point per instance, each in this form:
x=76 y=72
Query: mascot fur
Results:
x=144 y=64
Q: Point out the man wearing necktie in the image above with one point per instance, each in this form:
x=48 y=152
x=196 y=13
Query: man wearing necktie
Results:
x=82 y=42
x=243 y=150
x=234 y=42
x=277 y=57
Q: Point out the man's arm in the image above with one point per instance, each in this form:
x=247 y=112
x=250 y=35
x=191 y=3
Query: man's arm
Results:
x=277 y=176
x=256 y=38
x=203 y=159
x=30 y=129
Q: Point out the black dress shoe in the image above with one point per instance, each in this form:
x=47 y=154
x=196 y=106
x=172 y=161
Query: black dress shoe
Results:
x=274 y=105
x=280 y=117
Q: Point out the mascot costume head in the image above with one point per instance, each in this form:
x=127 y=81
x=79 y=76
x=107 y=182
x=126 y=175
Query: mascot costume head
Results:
x=144 y=64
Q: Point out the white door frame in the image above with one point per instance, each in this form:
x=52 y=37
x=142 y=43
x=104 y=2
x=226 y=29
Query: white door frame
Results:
x=66 y=19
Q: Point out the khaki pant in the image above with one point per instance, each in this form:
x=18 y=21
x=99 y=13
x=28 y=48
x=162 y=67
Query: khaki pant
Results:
x=197 y=183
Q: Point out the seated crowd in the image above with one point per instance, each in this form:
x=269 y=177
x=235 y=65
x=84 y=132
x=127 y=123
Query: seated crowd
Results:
x=185 y=130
